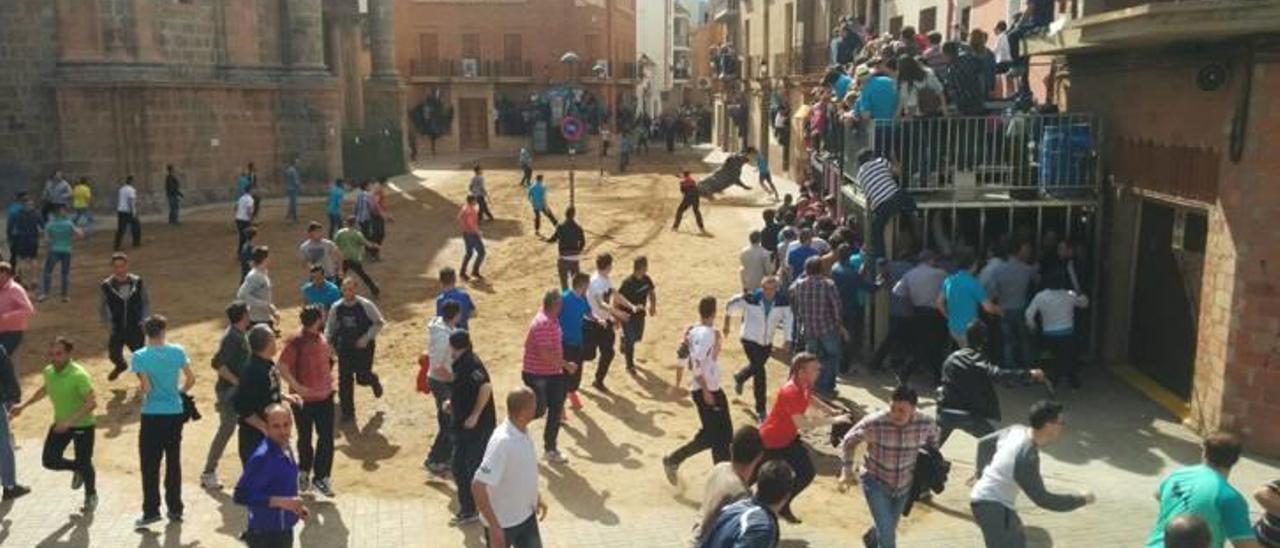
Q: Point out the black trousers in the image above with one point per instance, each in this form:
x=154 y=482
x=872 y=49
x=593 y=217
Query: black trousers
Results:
x=573 y=354
x=466 y=459
x=566 y=269
x=797 y=456
x=526 y=176
x=355 y=365
x=895 y=345
x=358 y=268
x=55 y=446
x=948 y=422
x=1064 y=364
x=160 y=438
x=690 y=200
x=248 y=439
x=929 y=333
x=716 y=432
x=599 y=338
x=757 y=357
x=550 y=392
x=377 y=234
x=632 y=333
x=537 y=218
x=483 y=203
x=11 y=340
x=241 y=226
x=315 y=416
x=274 y=539
x=128 y=221
x=131 y=337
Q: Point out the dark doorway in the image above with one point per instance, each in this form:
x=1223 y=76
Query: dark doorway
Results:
x=1166 y=289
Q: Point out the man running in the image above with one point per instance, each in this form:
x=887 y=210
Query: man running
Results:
x=255 y=290
x=60 y=231
x=765 y=311
x=544 y=370
x=306 y=364
x=603 y=320
x=766 y=179
x=70 y=390
x=753 y=522
x=449 y=291
x=729 y=482
x=1203 y=490
x=506 y=486
x=269 y=485
x=755 y=262
x=707 y=394
x=440 y=379
x=127 y=214
x=689 y=198
x=318 y=250
x=538 y=200
x=574 y=309
x=526 y=166
x=476 y=190
x=244 y=215
x=228 y=362
x=352 y=243
x=1008 y=461
x=471 y=406
x=780 y=431
x=469 y=222
x=570 y=241
x=10 y=395
x=640 y=297
x=352 y=327
x=163 y=414
x=125 y=307
x=333 y=205
x=894 y=437
x=966 y=396
x=319 y=290
x=961 y=298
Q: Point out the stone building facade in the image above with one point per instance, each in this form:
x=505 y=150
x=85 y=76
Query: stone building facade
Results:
x=109 y=88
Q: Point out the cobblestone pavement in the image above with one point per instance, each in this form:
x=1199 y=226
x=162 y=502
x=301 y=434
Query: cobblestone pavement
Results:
x=612 y=493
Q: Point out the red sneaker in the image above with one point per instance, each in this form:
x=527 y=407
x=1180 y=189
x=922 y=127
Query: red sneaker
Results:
x=574 y=402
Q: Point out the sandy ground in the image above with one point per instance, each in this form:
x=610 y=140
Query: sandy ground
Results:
x=614 y=444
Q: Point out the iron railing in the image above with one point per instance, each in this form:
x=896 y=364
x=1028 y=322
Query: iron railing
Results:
x=483 y=68
x=1055 y=154
x=721 y=9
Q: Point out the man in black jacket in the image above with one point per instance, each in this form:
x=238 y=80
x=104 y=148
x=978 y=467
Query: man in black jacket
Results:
x=258 y=389
x=124 y=307
x=571 y=243
x=966 y=398
x=10 y=395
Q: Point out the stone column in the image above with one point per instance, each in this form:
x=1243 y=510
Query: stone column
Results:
x=305 y=35
x=382 y=39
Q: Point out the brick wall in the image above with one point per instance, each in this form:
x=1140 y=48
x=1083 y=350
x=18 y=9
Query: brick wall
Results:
x=1237 y=363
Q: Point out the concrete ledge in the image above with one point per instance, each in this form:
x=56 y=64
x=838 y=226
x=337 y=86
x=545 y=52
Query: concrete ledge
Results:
x=1156 y=23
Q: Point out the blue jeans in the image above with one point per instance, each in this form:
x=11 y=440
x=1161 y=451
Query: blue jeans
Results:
x=827 y=347
x=8 y=464
x=175 y=205
x=886 y=509
x=53 y=258
x=335 y=223
x=475 y=246
x=83 y=218
x=1017 y=339
x=291 y=214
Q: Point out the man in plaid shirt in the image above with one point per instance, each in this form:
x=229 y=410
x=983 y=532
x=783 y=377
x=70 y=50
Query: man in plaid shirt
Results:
x=893 y=438
x=816 y=303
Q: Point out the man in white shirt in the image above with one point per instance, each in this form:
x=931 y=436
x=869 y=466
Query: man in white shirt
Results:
x=605 y=316
x=708 y=396
x=127 y=213
x=244 y=216
x=505 y=486
x=756 y=263
x=764 y=312
x=439 y=378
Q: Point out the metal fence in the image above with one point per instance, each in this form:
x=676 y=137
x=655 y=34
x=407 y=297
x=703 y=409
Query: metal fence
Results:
x=1054 y=154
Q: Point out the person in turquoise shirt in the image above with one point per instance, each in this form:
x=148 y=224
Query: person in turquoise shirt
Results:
x=1203 y=491
x=319 y=290
x=538 y=199
x=60 y=231
x=337 y=193
x=962 y=295
x=766 y=179
x=158 y=366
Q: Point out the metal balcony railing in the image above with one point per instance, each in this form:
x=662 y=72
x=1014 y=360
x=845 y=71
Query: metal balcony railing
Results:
x=481 y=68
x=1055 y=154
x=721 y=9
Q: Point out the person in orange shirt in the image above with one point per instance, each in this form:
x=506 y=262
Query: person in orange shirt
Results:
x=691 y=198
x=469 y=221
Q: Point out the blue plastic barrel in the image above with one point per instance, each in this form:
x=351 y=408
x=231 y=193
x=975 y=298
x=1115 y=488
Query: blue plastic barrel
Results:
x=1065 y=153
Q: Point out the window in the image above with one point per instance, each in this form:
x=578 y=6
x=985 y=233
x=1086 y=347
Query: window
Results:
x=928 y=20
x=471 y=46
x=512 y=47
x=591 y=49
x=429 y=47
x=895 y=25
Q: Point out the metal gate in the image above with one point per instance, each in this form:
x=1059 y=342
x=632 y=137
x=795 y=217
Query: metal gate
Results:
x=1162 y=332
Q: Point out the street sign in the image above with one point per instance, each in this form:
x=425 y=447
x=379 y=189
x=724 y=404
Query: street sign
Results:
x=571 y=128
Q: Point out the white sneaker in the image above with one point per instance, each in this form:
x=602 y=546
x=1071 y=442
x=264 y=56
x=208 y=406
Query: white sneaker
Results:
x=322 y=485
x=304 y=482
x=554 y=457
x=209 y=480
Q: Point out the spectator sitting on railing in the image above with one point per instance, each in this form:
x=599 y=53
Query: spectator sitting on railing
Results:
x=964 y=80
x=920 y=93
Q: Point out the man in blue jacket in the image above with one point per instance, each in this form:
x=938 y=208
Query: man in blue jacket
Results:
x=269 y=486
x=753 y=523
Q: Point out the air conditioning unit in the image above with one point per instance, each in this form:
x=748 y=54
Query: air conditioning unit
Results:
x=470 y=68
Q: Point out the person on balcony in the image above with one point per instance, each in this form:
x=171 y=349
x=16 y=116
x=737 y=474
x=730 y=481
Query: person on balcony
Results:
x=846 y=44
x=964 y=79
x=878 y=102
x=933 y=54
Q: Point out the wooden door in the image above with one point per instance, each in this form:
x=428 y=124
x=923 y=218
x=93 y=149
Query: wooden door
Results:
x=473 y=124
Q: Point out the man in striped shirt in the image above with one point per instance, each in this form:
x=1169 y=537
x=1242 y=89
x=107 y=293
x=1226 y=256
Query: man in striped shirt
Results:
x=885 y=199
x=545 y=368
x=894 y=438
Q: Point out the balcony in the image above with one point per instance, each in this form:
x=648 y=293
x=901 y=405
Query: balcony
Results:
x=724 y=9
x=1151 y=24
x=1011 y=157
x=810 y=58
x=617 y=71
x=491 y=69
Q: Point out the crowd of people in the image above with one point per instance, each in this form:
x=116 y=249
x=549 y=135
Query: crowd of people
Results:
x=806 y=278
